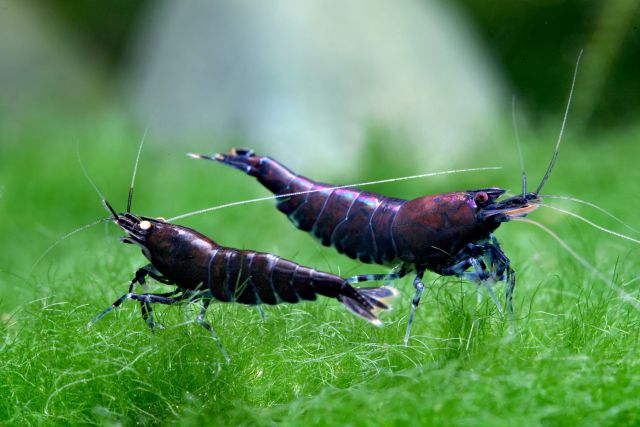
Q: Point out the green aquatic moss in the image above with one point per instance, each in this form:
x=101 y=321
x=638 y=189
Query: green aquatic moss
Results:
x=572 y=357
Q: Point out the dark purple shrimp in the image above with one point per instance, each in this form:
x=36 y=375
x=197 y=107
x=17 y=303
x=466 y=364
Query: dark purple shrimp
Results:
x=449 y=234
x=203 y=270
x=445 y=233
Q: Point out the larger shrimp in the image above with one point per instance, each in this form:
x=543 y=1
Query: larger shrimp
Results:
x=449 y=234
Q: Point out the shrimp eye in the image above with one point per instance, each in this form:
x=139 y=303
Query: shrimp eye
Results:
x=145 y=225
x=481 y=198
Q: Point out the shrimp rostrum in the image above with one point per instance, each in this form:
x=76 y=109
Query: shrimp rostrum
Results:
x=449 y=234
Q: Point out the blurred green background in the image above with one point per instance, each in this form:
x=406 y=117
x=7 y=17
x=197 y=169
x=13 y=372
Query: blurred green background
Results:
x=533 y=44
x=69 y=77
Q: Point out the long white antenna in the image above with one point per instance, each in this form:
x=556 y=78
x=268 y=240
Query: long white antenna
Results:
x=515 y=130
x=362 y=184
x=621 y=292
x=564 y=121
x=583 y=219
x=592 y=205
x=135 y=169
x=86 y=174
x=69 y=234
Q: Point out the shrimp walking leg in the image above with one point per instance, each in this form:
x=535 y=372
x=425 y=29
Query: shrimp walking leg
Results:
x=140 y=277
x=149 y=298
x=379 y=277
x=485 y=280
x=200 y=319
x=490 y=264
x=145 y=307
x=419 y=285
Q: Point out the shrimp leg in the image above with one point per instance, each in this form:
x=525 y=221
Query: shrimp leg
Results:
x=419 y=285
x=200 y=319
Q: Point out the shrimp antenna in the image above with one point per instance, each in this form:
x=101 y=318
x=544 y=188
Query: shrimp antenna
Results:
x=621 y=292
x=93 y=184
x=564 y=121
x=110 y=208
x=86 y=174
x=66 y=236
x=591 y=223
x=135 y=169
x=362 y=184
x=592 y=205
x=105 y=203
x=515 y=130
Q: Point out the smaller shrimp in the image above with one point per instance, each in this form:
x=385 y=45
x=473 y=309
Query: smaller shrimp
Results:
x=201 y=269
